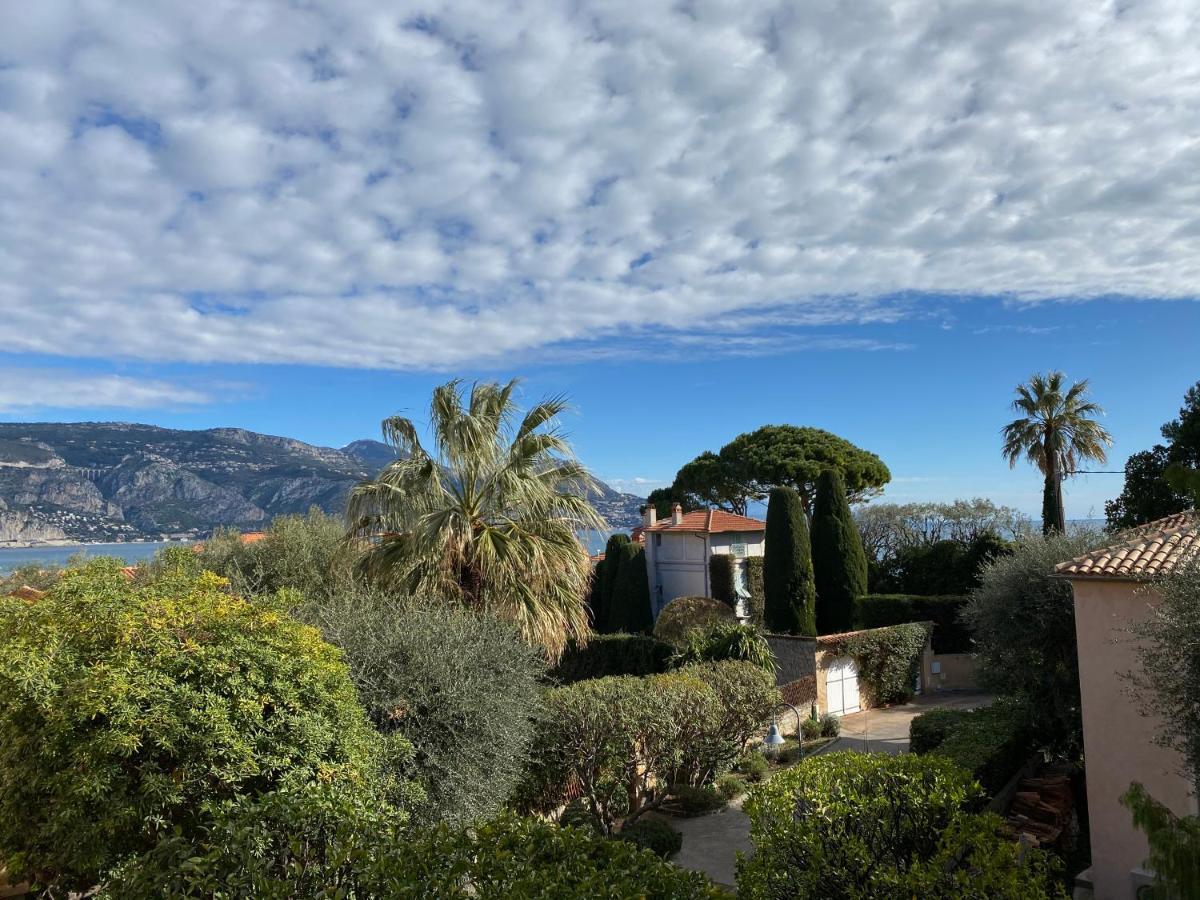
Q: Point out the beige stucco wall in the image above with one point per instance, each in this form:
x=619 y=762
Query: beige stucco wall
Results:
x=957 y=672
x=1117 y=738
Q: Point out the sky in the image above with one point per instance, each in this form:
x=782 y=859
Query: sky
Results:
x=693 y=218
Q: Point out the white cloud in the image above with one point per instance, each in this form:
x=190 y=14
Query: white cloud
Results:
x=24 y=389
x=342 y=184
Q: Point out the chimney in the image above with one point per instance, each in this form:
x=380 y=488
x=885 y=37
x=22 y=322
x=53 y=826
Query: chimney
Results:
x=649 y=515
x=676 y=514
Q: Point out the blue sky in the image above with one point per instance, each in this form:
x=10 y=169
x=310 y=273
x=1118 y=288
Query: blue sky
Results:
x=694 y=218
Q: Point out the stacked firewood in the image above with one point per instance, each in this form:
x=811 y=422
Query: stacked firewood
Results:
x=1041 y=809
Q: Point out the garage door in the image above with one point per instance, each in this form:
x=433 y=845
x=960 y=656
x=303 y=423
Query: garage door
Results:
x=841 y=686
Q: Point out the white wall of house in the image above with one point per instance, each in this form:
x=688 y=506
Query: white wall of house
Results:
x=677 y=562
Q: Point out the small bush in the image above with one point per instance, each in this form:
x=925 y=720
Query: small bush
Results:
x=577 y=814
x=929 y=730
x=810 y=729
x=612 y=654
x=728 y=640
x=655 y=835
x=754 y=766
x=686 y=614
x=950 y=633
x=127 y=711
x=731 y=787
x=696 y=801
x=831 y=725
x=884 y=826
x=992 y=743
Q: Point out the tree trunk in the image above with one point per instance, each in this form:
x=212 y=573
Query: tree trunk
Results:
x=1053 y=515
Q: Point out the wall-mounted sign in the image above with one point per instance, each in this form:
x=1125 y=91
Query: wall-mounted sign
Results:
x=738 y=550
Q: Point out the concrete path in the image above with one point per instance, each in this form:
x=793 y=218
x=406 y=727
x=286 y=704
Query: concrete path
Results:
x=711 y=843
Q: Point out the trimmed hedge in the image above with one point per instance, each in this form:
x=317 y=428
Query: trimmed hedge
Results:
x=839 y=562
x=754 y=580
x=606 y=655
x=888 y=659
x=991 y=742
x=683 y=615
x=950 y=634
x=791 y=594
x=720 y=576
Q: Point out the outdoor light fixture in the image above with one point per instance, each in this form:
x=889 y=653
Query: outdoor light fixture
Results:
x=774 y=739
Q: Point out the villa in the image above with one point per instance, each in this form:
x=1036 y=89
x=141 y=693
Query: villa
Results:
x=678 y=550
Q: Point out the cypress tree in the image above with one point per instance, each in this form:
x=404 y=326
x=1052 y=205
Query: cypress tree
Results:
x=606 y=572
x=839 y=561
x=790 y=601
x=631 y=592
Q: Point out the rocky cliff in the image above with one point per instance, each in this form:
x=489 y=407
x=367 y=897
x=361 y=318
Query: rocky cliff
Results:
x=118 y=481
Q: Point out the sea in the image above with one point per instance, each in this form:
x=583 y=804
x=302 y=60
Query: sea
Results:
x=52 y=556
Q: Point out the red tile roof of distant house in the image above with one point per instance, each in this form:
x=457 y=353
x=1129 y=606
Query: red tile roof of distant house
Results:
x=1143 y=553
x=709 y=521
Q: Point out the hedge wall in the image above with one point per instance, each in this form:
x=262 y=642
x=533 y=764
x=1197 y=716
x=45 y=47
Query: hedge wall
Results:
x=612 y=654
x=950 y=635
x=720 y=574
x=991 y=742
x=754 y=579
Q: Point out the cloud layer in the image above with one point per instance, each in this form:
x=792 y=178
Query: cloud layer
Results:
x=344 y=182
x=25 y=389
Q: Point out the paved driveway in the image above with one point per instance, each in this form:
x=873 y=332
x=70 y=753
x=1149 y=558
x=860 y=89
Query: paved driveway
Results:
x=710 y=843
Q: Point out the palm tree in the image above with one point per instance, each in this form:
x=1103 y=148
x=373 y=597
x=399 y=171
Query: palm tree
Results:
x=488 y=519
x=1056 y=433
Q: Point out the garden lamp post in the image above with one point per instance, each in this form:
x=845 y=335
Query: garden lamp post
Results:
x=774 y=737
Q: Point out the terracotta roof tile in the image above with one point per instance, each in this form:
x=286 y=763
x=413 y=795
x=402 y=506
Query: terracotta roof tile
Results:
x=710 y=521
x=1141 y=554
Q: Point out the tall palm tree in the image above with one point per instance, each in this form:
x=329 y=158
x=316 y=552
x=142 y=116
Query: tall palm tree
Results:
x=489 y=517
x=1056 y=433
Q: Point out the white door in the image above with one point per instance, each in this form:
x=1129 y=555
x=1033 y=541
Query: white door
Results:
x=841 y=686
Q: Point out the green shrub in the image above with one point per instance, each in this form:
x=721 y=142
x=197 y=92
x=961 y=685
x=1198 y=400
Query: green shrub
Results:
x=810 y=729
x=577 y=814
x=879 y=826
x=622 y=740
x=731 y=787
x=127 y=711
x=1174 y=845
x=991 y=743
x=689 y=801
x=929 y=730
x=754 y=766
x=754 y=584
x=721 y=578
x=950 y=633
x=305 y=553
x=888 y=660
x=728 y=640
x=789 y=591
x=655 y=835
x=831 y=725
x=603 y=583
x=462 y=687
x=686 y=614
x=839 y=561
x=612 y=654
x=360 y=856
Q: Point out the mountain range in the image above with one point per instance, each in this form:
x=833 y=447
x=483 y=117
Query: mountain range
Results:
x=113 y=481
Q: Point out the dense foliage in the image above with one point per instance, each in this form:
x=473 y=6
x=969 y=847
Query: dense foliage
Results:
x=127 y=711
x=683 y=615
x=305 y=553
x=756 y=603
x=1168 y=674
x=1056 y=432
x=1147 y=495
x=950 y=634
x=462 y=688
x=612 y=654
x=655 y=835
x=625 y=741
x=859 y=826
x=1023 y=623
x=1174 y=846
x=888 y=660
x=721 y=580
x=788 y=581
x=301 y=845
x=629 y=609
x=839 y=562
x=943 y=567
x=728 y=640
x=887 y=528
x=604 y=577
x=991 y=742
x=487 y=517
